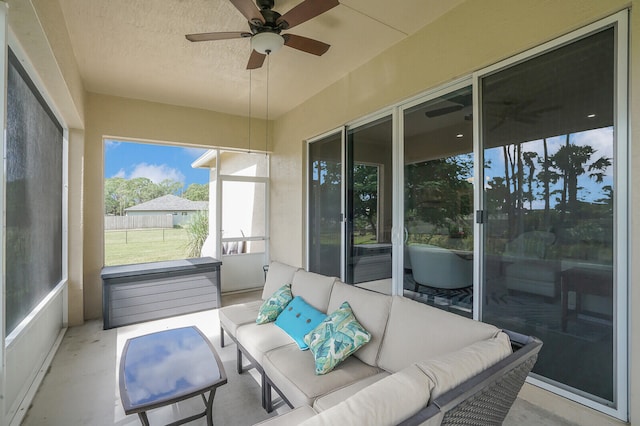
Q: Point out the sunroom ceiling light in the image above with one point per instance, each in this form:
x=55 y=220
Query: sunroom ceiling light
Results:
x=591 y=116
x=267 y=42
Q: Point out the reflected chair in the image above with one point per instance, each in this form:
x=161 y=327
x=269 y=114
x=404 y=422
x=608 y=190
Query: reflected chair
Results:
x=439 y=267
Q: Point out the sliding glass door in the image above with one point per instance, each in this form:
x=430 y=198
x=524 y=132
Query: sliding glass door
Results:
x=438 y=201
x=548 y=142
x=510 y=205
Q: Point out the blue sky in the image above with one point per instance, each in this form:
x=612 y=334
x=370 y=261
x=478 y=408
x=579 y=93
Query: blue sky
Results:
x=156 y=162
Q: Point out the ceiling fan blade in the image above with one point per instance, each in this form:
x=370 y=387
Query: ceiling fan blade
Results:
x=255 y=60
x=304 y=11
x=217 y=36
x=305 y=44
x=248 y=9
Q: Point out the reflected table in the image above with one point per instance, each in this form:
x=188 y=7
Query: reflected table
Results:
x=585 y=279
x=166 y=367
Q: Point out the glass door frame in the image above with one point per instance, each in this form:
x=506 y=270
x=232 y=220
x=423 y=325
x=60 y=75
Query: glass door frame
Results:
x=399 y=208
x=390 y=113
x=618 y=21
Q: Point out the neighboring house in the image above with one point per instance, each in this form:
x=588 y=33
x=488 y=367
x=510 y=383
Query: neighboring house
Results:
x=180 y=208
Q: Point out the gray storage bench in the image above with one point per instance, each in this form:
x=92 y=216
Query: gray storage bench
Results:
x=148 y=291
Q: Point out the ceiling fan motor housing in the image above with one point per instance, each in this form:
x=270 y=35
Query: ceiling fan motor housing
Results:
x=265 y=4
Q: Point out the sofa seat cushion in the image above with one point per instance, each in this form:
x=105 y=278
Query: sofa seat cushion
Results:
x=386 y=402
x=278 y=275
x=257 y=339
x=416 y=332
x=290 y=418
x=372 y=311
x=292 y=371
x=314 y=288
x=337 y=396
x=233 y=316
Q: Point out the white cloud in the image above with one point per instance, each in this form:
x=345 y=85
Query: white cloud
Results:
x=109 y=144
x=156 y=172
x=194 y=152
x=121 y=174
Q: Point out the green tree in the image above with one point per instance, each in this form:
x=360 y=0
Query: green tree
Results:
x=197 y=192
x=438 y=192
x=365 y=197
x=120 y=193
x=528 y=158
x=114 y=195
x=571 y=160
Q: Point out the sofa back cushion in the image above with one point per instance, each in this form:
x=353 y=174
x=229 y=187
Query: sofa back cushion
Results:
x=279 y=274
x=450 y=370
x=416 y=332
x=314 y=288
x=386 y=402
x=370 y=309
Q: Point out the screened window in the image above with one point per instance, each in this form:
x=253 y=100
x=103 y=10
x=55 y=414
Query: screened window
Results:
x=34 y=188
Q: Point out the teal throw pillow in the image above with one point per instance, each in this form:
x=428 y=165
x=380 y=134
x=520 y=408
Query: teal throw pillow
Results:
x=337 y=337
x=272 y=307
x=298 y=319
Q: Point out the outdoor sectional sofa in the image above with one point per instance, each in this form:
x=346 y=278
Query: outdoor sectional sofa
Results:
x=421 y=366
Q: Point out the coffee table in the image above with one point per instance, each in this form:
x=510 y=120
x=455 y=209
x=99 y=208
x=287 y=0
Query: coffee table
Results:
x=162 y=368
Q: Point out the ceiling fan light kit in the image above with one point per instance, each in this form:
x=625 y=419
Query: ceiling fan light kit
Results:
x=267 y=42
x=266 y=25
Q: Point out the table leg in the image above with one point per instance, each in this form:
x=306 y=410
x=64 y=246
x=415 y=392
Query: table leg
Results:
x=210 y=407
x=238 y=360
x=143 y=418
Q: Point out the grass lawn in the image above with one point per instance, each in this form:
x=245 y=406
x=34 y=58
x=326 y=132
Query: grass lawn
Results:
x=144 y=245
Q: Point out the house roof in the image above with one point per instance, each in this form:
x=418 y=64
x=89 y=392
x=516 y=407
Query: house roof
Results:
x=170 y=203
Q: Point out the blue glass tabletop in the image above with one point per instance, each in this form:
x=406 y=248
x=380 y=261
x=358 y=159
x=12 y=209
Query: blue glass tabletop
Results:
x=167 y=366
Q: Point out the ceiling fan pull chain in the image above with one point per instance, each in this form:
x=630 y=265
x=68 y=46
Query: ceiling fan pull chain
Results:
x=249 y=111
x=266 y=137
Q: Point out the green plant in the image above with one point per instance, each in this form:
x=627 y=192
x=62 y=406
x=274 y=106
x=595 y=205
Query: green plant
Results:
x=197 y=231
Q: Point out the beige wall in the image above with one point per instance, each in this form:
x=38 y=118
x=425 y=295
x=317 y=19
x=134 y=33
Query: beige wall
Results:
x=108 y=116
x=478 y=34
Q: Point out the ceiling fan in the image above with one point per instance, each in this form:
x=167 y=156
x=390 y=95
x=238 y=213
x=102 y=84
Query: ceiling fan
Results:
x=266 y=24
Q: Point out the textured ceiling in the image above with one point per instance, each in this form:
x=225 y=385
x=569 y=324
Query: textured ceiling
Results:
x=137 y=49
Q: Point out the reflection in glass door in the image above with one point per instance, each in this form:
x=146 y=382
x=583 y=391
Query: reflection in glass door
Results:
x=325 y=205
x=438 y=202
x=369 y=202
x=548 y=147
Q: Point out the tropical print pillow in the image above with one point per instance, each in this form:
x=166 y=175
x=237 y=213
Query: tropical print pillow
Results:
x=335 y=338
x=273 y=306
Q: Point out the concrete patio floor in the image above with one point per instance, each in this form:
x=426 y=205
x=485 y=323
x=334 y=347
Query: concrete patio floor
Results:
x=80 y=388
